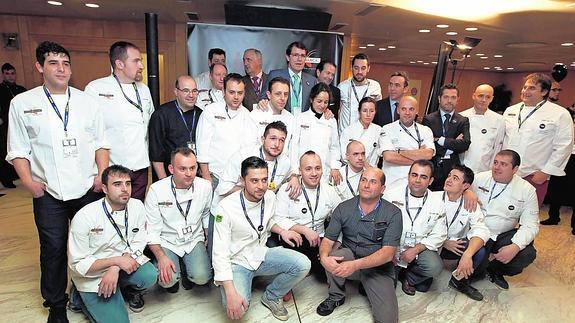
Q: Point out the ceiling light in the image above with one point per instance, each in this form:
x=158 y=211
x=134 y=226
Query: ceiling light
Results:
x=362 y=47
x=486 y=68
x=442 y=26
x=420 y=61
x=559 y=64
x=483 y=57
x=510 y=68
x=567 y=44
x=424 y=30
x=463 y=46
x=92 y=5
x=55 y=3
x=426 y=63
x=451 y=33
x=370 y=45
x=411 y=62
x=391 y=47
x=479 y=54
x=471 y=28
x=497 y=56
x=382 y=48
x=433 y=62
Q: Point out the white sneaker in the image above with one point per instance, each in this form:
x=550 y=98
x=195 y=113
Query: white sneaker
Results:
x=276 y=307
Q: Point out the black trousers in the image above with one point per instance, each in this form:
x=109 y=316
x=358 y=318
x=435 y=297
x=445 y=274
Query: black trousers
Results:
x=52 y=217
x=523 y=259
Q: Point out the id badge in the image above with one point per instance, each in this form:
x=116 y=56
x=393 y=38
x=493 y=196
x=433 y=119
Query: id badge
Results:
x=191 y=145
x=410 y=239
x=184 y=233
x=70 y=148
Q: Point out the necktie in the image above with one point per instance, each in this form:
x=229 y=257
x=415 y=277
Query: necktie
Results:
x=395 y=113
x=446 y=124
x=256 y=83
x=296 y=88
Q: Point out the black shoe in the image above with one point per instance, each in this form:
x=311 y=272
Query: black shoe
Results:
x=498 y=280
x=174 y=289
x=406 y=287
x=186 y=283
x=135 y=300
x=550 y=221
x=57 y=315
x=464 y=287
x=328 y=305
x=361 y=290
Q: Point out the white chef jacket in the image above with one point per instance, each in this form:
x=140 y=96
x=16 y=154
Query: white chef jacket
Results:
x=235 y=241
x=126 y=126
x=319 y=135
x=221 y=133
x=349 y=185
x=544 y=141
x=462 y=223
x=165 y=222
x=298 y=211
x=93 y=237
x=393 y=137
x=203 y=81
x=516 y=205
x=429 y=226
x=487 y=132
x=263 y=118
x=209 y=96
x=232 y=172
x=349 y=113
x=368 y=137
x=36 y=134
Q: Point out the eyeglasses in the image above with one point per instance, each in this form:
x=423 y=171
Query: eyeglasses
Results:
x=188 y=91
x=302 y=56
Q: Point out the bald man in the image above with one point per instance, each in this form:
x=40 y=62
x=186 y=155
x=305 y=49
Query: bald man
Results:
x=355 y=163
x=174 y=125
x=487 y=128
x=404 y=141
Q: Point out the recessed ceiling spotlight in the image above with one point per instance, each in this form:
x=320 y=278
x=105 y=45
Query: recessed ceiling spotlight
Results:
x=420 y=61
x=362 y=47
x=479 y=54
x=442 y=26
x=451 y=33
x=497 y=56
x=370 y=45
x=471 y=28
x=424 y=30
x=433 y=62
x=483 y=57
x=559 y=64
x=92 y=5
x=486 y=68
x=510 y=68
x=426 y=63
x=391 y=47
x=382 y=48
x=55 y=3
x=411 y=62
x=567 y=44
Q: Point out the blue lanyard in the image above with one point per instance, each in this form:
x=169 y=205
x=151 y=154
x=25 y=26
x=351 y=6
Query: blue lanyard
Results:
x=491 y=197
x=312 y=211
x=456 y=212
x=275 y=165
x=66 y=109
x=125 y=240
x=262 y=208
x=418 y=139
x=519 y=121
x=137 y=105
x=190 y=131
x=363 y=213
x=407 y=206
x=185 y=215
x=347 y=180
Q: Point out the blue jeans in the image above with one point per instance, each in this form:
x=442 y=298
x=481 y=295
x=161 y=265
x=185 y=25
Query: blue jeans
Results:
x=113 y=309
x=290 y=267
x=197 y=264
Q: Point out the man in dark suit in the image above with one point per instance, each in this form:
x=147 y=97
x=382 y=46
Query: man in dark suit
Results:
x=301 y=83
x=450 y=132
x=325 y=72
x=255 y=78
x=386 y=108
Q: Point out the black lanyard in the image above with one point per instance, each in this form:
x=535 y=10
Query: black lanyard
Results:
x=66 y=109
x=125 y=240
x=355 y=92
x=190 y=130
x=137 y=105
x=275 y=165
x=262 y=208
x=347 y=180
x=185 y=215
x=418 y=139
x=312 y=211
x=491 y=197
x=407 y=206
x=456 y=212
x=519 y=121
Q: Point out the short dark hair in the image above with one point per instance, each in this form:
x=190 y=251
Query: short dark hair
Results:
x=215 y=51
x=449 y=86
x=7 y=67
x=468 y=175
x=295 y=44
x=233 y=77
x=119 y=50
x=114 y=170
x=515 y=158
x=47 y=47
x=367 y=99
x=277 y=125
x=359 y=56
x=213 y=66
x=322 y=64
x=423 y=163
x=542 y=79
x=183 y=150
x=401 y=74
x=275 y=80
x=252 y=162
x=317 y=89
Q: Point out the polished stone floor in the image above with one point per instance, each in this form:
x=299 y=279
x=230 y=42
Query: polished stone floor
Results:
x=542 y=293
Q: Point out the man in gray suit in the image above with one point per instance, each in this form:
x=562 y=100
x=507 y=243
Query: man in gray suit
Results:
x=301 y=83
x=255 y=77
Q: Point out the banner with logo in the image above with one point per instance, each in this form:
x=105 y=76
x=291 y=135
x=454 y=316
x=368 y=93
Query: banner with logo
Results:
x=272 y=42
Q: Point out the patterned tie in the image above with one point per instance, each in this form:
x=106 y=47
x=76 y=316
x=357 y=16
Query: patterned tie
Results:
x=296 y=88
x=446 y=124
x=256 y=83
x=395 y=113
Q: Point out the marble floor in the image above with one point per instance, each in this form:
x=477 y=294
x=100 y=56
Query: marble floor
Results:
x=542 y=293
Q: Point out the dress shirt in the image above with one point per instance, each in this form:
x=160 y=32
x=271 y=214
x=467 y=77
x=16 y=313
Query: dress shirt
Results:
x=294 y=109
x=36 y=134
x=349 y=113
x=368 y=137
x=441 y=140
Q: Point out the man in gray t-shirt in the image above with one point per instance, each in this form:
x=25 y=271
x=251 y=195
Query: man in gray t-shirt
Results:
x=371 y=229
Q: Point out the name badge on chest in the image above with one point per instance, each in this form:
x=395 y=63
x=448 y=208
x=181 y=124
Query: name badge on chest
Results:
x=185 y=233
x=410 y=239
x=191 y=145
x=140 y=257
x=70 y=148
